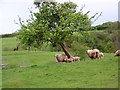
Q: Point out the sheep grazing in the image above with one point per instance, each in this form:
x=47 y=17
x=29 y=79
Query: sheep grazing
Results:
x=95 y=53
x=96 y=50
x=117 y=53
x=91 y=54
x=100 y=55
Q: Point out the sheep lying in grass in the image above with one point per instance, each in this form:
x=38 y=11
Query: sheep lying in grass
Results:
x=61 y=57
x=76 y=59
x=64 y=58
x=69 y=59
x=117 y=53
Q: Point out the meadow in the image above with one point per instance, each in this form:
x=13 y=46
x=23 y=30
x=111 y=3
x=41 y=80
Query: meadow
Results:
x=38 y=69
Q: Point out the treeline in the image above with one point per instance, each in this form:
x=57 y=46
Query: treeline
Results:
x=106 y=41
x=108 y=25
x=105 y=26
x=8 y=35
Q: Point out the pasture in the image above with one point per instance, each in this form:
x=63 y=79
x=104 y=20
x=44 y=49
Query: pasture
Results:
x=38 y=69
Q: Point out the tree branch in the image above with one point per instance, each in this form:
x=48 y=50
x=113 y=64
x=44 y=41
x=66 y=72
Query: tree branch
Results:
x=82 y=7
x=97 y=17
x=20 y=21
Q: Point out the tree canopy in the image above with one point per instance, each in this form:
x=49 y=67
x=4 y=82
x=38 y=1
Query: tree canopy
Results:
x=54 y=23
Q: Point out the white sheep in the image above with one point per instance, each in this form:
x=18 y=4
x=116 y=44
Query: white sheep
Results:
x=100 y=55
x=91 y=54
x=76 y=58
x=95 y=53
x=117 y=53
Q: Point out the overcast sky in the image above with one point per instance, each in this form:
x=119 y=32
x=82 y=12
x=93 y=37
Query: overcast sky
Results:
x=11 y=9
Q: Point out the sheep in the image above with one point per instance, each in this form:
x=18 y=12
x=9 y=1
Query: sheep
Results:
x=69 y=59
x=61 y=57
x=64 y=58
x=95 y=53
x=76 y=58
x=100 y=55
x=117 y=53
x=91 y=54
x=96 y=50
x=88 y=51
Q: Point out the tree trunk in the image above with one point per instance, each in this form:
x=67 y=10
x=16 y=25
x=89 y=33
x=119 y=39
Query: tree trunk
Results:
x=65 y=50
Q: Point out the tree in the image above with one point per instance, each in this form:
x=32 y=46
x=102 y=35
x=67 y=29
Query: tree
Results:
x=54 y=23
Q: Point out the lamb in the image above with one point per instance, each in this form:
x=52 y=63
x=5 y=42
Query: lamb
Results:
x=117 y=53
x=69 y=59
x=76 y=59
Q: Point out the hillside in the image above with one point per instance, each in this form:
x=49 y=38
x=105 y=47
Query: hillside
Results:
x=38 y=69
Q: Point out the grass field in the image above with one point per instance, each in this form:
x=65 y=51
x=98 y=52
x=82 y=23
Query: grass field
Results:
x=8 y=44
x=37 y=69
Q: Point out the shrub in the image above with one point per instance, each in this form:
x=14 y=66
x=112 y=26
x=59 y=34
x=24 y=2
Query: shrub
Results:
x=78 y=49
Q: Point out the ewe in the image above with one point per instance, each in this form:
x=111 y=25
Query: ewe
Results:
x=117 y=53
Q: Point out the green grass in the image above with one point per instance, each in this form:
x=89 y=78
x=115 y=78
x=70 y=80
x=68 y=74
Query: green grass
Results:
x=8 y=44
x=41 y=71
x=38 y=69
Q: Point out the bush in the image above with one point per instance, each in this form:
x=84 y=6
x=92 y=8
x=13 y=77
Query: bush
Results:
x=78 y=49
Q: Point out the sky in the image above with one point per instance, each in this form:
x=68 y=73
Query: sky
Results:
x=11 y=9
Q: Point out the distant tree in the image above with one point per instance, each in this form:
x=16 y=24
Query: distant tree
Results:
x=104 y=26
x=54 y=23
x=108 y=25
x=8 y=35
